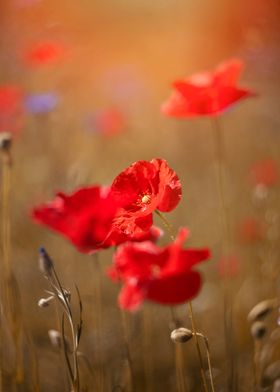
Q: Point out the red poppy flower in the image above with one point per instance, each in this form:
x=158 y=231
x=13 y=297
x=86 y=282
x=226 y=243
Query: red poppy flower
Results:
x=207 y=93
x=86 y=218
x=265 y=172
x=162 y=275
x=44 y=53
x=141 y=189
x=11 y=108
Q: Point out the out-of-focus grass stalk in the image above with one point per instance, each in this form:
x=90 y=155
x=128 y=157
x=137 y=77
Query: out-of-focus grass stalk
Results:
x=191 y=315
x=6 y=224
x=194 y=330
x=98 y=317
x=206 y=343
x=147 y=359
x=126 y=333
x=226 y=241
x=179 y=358
x=10 y=289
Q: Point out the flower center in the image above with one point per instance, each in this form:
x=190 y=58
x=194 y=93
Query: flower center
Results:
x=155 y=270
x=146 y=199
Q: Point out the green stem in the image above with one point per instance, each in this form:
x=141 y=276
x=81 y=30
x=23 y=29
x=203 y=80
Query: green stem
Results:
x=166 y=224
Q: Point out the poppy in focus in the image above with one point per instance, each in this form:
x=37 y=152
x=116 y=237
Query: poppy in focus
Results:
x=85 y=217
x=163 y=275
x=142 y=188
x=207 y=93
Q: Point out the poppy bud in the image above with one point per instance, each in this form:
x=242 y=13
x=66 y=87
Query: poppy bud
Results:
x=258 y=330
x=262 y=309
x=45 y=262
x=276 y=386
x=271 y=373
x=181 y=335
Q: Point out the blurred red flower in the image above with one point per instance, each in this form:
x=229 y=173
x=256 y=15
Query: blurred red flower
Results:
x=265 y=172
x=141 y=189
x=44 y=53
x=228 y=266
x=207 y=93
x=251 y=230
x=86 y=217
x=162 y=275
x=108 y=122
x=11 y=108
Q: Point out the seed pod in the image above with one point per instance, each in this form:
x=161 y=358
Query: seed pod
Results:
x=45 y=262
x=271 y=373
x=262 y=309
x=258 y=330
x=276 y=386
x=181 y=335
x=275 y=334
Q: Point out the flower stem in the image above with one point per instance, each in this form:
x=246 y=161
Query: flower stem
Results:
x=147 y=342
x=179 y=359
x=6 y=225
x=206 y=343
x=125 y=326
x=194 y=330
x=219 y=144
x=172 y=236
x=166 y=224
x=99 y=318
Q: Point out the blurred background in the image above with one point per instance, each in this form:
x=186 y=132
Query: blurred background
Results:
x=92 y=76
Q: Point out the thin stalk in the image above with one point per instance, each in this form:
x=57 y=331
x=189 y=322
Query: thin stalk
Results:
x=194 y=330
x=9 y=282
x=219 y=145
x=257 y=364
x=172 y=237
x=147 y=359
x=166 y=224
x=179 y=359
x=125 y=326
x=6 y=224
x=206 y=343
x=99 y=317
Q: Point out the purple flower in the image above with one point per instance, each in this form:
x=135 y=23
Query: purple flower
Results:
x=41 y=103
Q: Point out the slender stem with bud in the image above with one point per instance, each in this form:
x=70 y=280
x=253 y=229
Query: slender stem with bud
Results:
x=191 y=315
